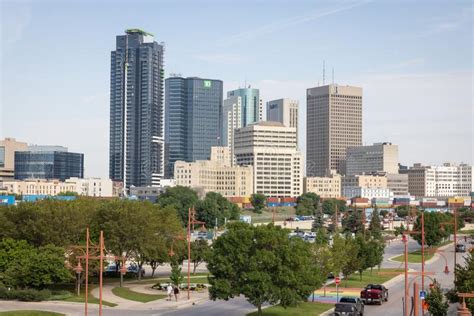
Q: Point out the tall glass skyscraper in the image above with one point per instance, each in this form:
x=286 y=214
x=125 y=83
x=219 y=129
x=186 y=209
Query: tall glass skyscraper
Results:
x=136 y=153
x=251 y=110
x=193 y=119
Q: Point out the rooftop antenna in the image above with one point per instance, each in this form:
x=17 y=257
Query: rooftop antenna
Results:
x=324 y=72
x=332 y=75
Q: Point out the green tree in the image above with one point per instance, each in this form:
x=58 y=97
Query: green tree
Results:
x=375 y=228
x=329 y=206
x=434 y=233
x=262 y=264
x=352 y=263
x=181 y=199
x=176 y=277
x=68 y=193
x=258 y=201
x=465 y=280
x=307 y=204
x=200 y=251
x=437 y=306
x=318 y=220
x=399 y=230
x=23 y=266
x=402 y=211
x=339 y=255
x=353 y=223
x=215 y=206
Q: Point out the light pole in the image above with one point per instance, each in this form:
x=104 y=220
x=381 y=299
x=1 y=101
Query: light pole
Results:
x=78 y=270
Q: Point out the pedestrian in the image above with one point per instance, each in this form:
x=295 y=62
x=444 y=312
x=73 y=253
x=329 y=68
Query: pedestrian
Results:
x=169 y=290
x=176 y=293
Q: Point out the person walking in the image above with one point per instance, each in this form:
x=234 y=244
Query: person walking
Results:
x=176 y=293
x=169 y=290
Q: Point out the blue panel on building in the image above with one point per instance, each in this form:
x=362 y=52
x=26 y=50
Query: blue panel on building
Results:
x=7 y=200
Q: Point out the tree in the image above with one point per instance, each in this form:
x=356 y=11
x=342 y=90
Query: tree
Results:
x=402 y=210
x=262 y=264
x=307 y=204
x=399 y=230
x=329 y=206
x=352 y=263
x=465 y=280
x=437 y=306
x=68 y=193
x=384 y=213
x=318 y=220
x=200 y=251
x=353 y=222
x=181 y=199
x=339 y=255
x=258 y=202
x=176 y=277
x=375 y=227
x=434 y=233
x=23 y=266
x=215 y=206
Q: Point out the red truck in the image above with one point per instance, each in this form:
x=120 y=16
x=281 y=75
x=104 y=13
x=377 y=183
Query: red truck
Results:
x=374 y=293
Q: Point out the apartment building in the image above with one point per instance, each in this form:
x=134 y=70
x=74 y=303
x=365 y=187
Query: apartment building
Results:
x=325 y=187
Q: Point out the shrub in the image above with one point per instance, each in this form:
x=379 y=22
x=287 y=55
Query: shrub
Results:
x=25 y=295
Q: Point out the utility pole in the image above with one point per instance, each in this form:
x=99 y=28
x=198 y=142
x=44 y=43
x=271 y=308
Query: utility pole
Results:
x=191 y=221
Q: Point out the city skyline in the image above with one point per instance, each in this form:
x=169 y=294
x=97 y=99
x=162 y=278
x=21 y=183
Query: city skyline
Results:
x=417 y=92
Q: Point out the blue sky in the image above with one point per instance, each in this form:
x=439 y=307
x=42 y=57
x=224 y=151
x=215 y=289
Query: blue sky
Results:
x=413 y=59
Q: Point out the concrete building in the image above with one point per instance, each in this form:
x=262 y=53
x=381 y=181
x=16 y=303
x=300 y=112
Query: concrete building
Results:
x=368 y=186
x=398 y=184
x=334 y=123
x=271 y=149
x=215 y=176
x=94 y=187
x=8 y=146
x=222 y=154
x=448 y=180
x=48 y=162
x=284 y=111
x=193 y=119
x=136 y=152
x=379 y=157
x=325 y=187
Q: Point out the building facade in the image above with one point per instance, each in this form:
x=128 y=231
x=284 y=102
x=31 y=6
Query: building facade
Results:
x=48 y=162
x=193 y=119
x=398 y=184
x=271 y=149
x=94 y=187
x=136 y=152
x=8 y=147
x=232 y=119
x=365 y=186
x=284 y=111
x=215 y=176
x=448 y=180
x=379 y=157
x=325 y=187
x=251 y=105
x=334 y=123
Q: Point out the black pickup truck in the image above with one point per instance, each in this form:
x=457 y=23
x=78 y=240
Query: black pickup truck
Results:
x=350 y=306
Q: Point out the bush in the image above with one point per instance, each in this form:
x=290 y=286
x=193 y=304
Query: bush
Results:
x=25 y=295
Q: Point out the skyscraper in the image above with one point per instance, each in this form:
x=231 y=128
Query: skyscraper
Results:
x=334 y=123
x=193 y=119
x=136 y=153
x=284 y=111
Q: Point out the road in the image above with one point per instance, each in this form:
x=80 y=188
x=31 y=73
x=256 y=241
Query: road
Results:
x=394 y=306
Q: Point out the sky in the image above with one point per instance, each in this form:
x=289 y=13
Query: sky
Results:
x=413 y=59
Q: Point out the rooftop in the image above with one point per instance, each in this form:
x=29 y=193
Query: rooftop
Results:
x=139 y=31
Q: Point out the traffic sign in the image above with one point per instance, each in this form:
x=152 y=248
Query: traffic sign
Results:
x=337 y=280
x=422 y=295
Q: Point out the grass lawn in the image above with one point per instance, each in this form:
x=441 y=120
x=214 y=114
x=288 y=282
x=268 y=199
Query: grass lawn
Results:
x=354 y=280
x=90 y=299
x=415 y=256
x=303 y=309
x=29 y=313
x=126 y=293
x=195 y=278
x=281 y=213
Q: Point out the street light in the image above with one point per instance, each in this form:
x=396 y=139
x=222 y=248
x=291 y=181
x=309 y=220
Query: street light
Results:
x=78 y=269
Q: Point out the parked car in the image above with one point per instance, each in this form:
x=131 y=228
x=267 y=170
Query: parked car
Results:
x=352 y=306
x=201 y=235
x=460 y=248
x=133 y=269
x=374 y=293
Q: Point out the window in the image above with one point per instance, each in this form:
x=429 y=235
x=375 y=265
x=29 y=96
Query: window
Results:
x=2 y=156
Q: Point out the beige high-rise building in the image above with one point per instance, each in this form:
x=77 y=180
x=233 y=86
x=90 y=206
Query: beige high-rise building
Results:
x=8 y=146
x=284 y=111
x=215 y=175
x=325 y=187
x=379 y=157
x=271 y=148
x=334 y=123
x=398 y=184
x=222 y=154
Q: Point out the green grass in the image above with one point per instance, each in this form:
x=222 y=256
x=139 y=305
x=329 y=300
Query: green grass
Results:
x=354 y=281
x=126 y=293
x=29 y=313
x=303 y=309
x=195 y=278
x=281 y=213
x=90 y=299
x=415 y=256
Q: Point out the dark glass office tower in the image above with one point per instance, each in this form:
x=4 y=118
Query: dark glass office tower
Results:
x=48 y=162
x=193 y=119
x=136 y=153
